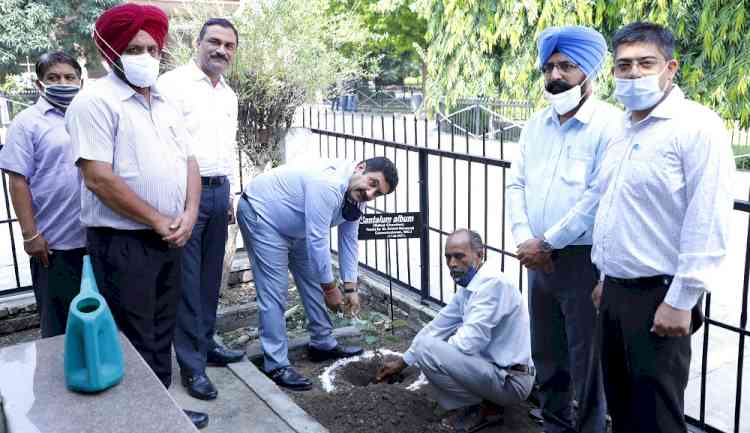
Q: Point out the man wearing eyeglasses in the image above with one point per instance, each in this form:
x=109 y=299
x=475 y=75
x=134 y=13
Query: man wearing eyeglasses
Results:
x=660 y=234
x=548 y=191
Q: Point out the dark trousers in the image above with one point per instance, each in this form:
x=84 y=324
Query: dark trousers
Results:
x=563 y=319
x=55 y=287
x=644 y=375
x=202 y=263
x=139 y=276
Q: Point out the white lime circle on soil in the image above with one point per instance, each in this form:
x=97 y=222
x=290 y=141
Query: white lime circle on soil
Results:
x=329 y=374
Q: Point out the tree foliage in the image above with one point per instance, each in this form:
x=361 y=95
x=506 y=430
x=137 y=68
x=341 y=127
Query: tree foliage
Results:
x=489 y=47
x=29 y=28
x=397 y=35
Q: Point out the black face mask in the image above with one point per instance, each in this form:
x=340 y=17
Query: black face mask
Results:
x=350 y=209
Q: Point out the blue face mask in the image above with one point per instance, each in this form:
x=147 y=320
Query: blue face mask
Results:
x=350 y=209
x=60 y=95
x=463 y=278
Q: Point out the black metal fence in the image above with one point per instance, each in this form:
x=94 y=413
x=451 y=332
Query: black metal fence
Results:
x=434 y=179
x=432 y=174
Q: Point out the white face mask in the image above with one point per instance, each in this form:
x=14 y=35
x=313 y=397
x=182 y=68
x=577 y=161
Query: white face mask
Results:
x=140 y=70
x=565 y=101
x=639 y=93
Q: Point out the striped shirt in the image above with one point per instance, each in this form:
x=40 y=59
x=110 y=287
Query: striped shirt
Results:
x=665 y=200
x=38 y=148
x=148 y=148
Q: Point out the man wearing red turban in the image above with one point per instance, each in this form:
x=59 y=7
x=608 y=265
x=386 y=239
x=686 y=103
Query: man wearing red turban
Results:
x=142 y=187
x=118 y=26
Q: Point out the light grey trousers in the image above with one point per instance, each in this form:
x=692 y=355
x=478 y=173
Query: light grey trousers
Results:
x=272 y=256
x=460 y=380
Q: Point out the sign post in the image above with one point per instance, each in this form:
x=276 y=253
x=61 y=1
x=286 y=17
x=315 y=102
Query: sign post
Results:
x=388 y=226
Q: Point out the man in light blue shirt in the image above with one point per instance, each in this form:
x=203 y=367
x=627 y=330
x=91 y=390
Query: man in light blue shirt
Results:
x=45 y=190
x=561 y=149
x=476 y=352
x=285 y=216
x=661 y=232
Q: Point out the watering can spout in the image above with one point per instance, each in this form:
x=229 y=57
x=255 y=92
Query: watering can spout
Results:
x=88 y=281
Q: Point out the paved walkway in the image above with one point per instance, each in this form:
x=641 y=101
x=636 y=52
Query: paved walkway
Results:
x=248 y=402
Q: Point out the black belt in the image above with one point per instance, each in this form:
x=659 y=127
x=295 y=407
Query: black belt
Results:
x=641 y=283
x=213 y=181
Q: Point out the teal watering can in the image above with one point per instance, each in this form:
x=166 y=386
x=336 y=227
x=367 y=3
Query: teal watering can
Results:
x=93 y=355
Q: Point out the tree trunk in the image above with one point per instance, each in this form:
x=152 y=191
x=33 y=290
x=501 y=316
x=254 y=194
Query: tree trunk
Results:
x=229 y=252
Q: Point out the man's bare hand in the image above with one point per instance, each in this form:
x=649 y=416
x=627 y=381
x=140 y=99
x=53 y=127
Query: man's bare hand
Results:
x=332 y=296
x=38 y=248
x=596 y=294
x=389 y=369
x=671 y=322
x=181 y=228
x=533 y=255
x=351 y=304
x=162 y=226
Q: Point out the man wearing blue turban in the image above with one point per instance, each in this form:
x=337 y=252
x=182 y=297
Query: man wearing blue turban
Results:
x=551 y=219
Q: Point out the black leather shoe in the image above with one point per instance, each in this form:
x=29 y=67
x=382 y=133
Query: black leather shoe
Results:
x=338 y=352
x=199 y=386
x=221 y=356
x=199 y=419
x=288 y=377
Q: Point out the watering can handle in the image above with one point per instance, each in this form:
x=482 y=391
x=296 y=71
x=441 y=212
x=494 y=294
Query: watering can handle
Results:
x=88 y=281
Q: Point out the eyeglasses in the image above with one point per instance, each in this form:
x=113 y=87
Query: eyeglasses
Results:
x=563 y=67
x=624 y=66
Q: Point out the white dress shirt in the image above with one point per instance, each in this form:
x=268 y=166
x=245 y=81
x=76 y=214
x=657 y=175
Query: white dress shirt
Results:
x=146 y=143
x=487 y=318
x=211 y=117
x=666 y=199
x=548 y=185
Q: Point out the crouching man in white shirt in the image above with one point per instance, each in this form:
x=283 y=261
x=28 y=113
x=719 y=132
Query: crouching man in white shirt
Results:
x=476 y=353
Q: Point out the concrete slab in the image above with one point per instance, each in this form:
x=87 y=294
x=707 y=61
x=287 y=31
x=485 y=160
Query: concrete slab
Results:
x=267 y=391
x=36 y=399
x=721 y=389
x=237 y=409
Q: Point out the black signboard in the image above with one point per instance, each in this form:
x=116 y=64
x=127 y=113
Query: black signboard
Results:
x=402 y=225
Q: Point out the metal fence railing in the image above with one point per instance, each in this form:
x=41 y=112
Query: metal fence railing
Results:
x=445 y=176
x=459 y=182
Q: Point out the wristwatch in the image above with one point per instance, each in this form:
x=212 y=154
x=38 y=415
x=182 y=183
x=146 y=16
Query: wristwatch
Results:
x=547 y=248
x=347 y=290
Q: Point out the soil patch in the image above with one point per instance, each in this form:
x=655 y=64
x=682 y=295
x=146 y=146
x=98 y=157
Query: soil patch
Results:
x=379 y=407
x=357 y=404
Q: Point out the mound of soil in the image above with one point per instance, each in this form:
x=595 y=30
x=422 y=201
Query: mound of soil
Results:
x=375 y=408
x=362 y=373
